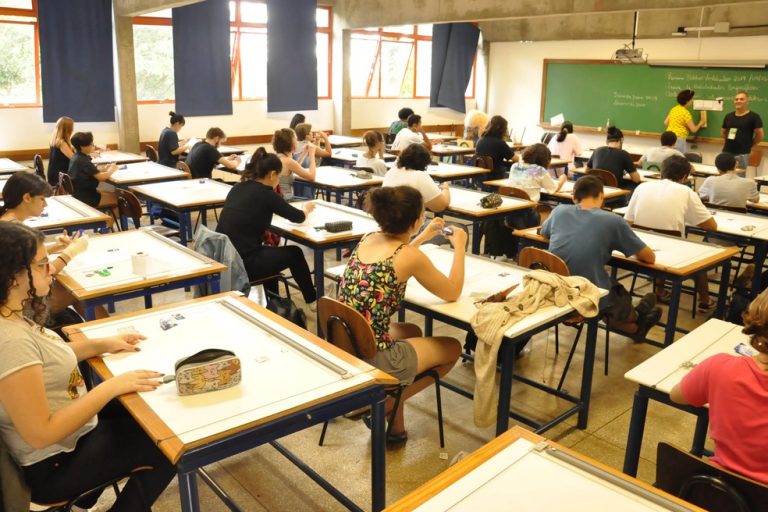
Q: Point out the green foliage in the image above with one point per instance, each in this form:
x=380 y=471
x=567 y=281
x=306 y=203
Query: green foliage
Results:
x=153 y=52
x=17 y=65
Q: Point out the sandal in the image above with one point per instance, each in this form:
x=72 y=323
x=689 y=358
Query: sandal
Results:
x=706 y=307
x=663 y=296
x=397 y=438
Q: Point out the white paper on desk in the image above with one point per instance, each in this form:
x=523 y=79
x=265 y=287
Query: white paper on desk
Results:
x=715 y=105
x=557 y=120
x=192 y=141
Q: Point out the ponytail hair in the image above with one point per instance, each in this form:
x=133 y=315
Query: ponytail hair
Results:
x=395 y=208
x=565 y=129
x=176 y=118
x=372 y=138
x=613 y=134
x=260 y=165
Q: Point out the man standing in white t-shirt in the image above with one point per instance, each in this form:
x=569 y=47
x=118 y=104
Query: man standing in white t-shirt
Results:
x=413 y=134
x=668 y=204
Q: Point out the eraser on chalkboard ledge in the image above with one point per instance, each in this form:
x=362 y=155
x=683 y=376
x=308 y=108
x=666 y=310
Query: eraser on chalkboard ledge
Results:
x=599 y=128
x=637 y=132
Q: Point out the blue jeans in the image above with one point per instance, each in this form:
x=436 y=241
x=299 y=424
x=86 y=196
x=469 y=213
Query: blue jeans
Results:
x=742 y=161
x=681 y=145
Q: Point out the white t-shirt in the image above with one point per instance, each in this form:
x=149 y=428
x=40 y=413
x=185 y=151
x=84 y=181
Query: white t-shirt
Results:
x=659 y=154
x=405 y=138
x=419 y=180
x=378 y=165
x=664 y=204
x=729 y=189
x=568 y=149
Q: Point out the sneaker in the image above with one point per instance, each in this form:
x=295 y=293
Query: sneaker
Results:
x=645 y=323
x=646 y=304
x=706 y=307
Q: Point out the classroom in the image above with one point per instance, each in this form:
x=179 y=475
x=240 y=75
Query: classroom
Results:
x=192 y=191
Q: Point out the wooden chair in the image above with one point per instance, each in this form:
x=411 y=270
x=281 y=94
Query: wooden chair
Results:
x=129 y=207
x=389 y=138
x=607 y=177
x=535 y=258
x=39 y=166
x=183 y=167
x=347 y=329
x=65 y=186
x=543 y=209
x=703 y=484
x=694 y=157
x=151 y=153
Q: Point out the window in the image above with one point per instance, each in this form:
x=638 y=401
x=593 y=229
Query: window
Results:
x=394 y=62
x=20 y=63
x=248 y=52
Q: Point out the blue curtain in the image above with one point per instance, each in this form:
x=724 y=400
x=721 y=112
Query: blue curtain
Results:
x=453 y=52
x=76 y=65
x=202 y=72
x=292 y=63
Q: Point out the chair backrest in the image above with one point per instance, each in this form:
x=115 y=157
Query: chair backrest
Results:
x=65 y=185
x=652 y=166
x=533 y=257
x=697 y=481
x=346 y=328
x=130 y=208
x=546 y=137
x=484 y=161
x=670 y=232
x=39 y=166
x=607 y=177
x=694 y=157
x=755 y=157
x=389 y=138
x=727 y=208
x=151 y=153
x=514 y=192
x=183 y=167
x=465 y=143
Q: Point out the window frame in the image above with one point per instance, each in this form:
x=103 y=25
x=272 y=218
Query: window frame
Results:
x=27 y=13
x=403 y=37
x=236 y=28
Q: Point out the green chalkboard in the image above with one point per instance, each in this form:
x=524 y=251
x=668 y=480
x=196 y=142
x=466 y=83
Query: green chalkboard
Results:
x=637 y=97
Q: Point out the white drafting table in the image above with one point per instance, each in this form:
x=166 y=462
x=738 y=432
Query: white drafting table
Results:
x=704 y=169
x=145 y=172
x=184 y=197
x=104 y=273
x=64 y=212
x=565 y=194
x=761 y=206
x=320 y=240
x=432 y=136
x=450 y=150
x=222 y=149
x=349 y=156
x=340 y=181
x=442 y=171
x=3 y=180
x=483 y=277
x=8 y=166
x=657 y=376
x=465 y=204
x=117 y=157
x=309 y=380
x=344 y=141
x=524 y=472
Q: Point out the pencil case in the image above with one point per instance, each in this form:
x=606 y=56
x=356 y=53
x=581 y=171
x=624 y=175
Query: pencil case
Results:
x=208 y=370
x=363 y=175
x=492 y=200
x=338 y=226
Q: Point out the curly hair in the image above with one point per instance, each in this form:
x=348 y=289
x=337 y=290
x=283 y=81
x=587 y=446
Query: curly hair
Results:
x=756 y=322
x=20 y=244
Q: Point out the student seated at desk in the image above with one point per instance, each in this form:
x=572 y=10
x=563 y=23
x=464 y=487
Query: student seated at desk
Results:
x=584 y=236
x=67 y=440
x=474 y=124
x=657 y=155
x=614 y=159
x=412 y=134
x=247 y=214
x=284 y=143
x=532 y=175
x=736 y=389
x=61 y=150
x=204 y=155
x=305 y=136
x=566 y=144
x=402 y=120
x=373 y=156
x=374 y=282
x=492 y=144
x=86 y=176
x=410 y=169
x=296 y=120
x=728 y=189
x=169 y=147
x=668 y=204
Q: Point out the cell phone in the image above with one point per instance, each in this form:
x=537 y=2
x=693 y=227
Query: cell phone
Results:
x=447 y=231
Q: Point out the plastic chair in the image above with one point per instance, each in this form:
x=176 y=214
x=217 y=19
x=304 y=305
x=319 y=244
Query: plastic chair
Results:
x=348 y=330
x=151 y=153
x=39 y=166
x=701 y=483
x=129 y=207
x=607 y=177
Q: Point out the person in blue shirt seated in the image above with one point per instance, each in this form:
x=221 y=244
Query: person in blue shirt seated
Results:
x=584 y=235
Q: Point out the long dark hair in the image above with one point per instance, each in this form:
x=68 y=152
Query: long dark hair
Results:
x=565 y=129
x=496 y=127
x=19 y=244
x=261 y=164
x=23 y=183
x=297 y=119
x=395 y=208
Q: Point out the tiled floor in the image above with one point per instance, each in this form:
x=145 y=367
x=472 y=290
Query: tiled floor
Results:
x=263 y=480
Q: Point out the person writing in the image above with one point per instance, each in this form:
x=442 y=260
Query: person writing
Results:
x=728 y=189
x=284 y=142
x=566 y=144
x=742 y=130
x=412 y=134
x=374 y=281
x=86 y=176
x=61 y=149
x=680 y=121
x=373 y=156
x=204 y=155
x=492 y=144
x=170 y=147
x=66 y=439
x=613 y=158
x=410 y=169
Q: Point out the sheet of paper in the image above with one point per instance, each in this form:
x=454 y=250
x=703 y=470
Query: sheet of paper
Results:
x=715 y=105
x=557 y=120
